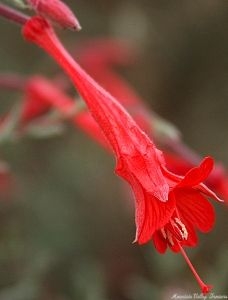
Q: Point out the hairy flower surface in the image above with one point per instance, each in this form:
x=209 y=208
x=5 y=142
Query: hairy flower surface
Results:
x=169 y=208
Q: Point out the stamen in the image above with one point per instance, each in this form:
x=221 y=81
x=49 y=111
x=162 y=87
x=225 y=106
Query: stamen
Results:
x=178 y=229
x=204 y=287
x=163 y=233
x=175 y=230
x=184 y=231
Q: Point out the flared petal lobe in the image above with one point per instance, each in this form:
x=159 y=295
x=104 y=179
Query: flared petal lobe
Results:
x=198 y=174
x=195 y=208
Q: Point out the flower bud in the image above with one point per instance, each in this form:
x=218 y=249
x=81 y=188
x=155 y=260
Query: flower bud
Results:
x=56 y=11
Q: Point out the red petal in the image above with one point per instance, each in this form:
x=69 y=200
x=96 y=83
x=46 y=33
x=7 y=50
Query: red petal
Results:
x=150 y=214
x=159 y=242
x=194 y=208
x=198 y=174
x=192 y=239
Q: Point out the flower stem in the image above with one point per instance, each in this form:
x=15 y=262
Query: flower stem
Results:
x=13 y=15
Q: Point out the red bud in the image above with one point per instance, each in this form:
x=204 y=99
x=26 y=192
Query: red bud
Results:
x=56 y=11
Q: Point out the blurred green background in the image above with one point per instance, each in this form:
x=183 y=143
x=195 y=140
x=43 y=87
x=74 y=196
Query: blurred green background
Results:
x=66 y=230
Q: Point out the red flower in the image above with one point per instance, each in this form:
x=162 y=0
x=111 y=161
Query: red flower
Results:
x=43 y=94
x=169 y=208
x=32 y=107
x=56 y=11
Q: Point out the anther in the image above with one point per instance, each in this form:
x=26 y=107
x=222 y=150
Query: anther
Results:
x=163 y=233
x=182 y=229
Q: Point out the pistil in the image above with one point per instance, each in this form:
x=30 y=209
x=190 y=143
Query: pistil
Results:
x=205 y=288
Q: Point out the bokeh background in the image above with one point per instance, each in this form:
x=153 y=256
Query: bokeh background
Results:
x=66 y=224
